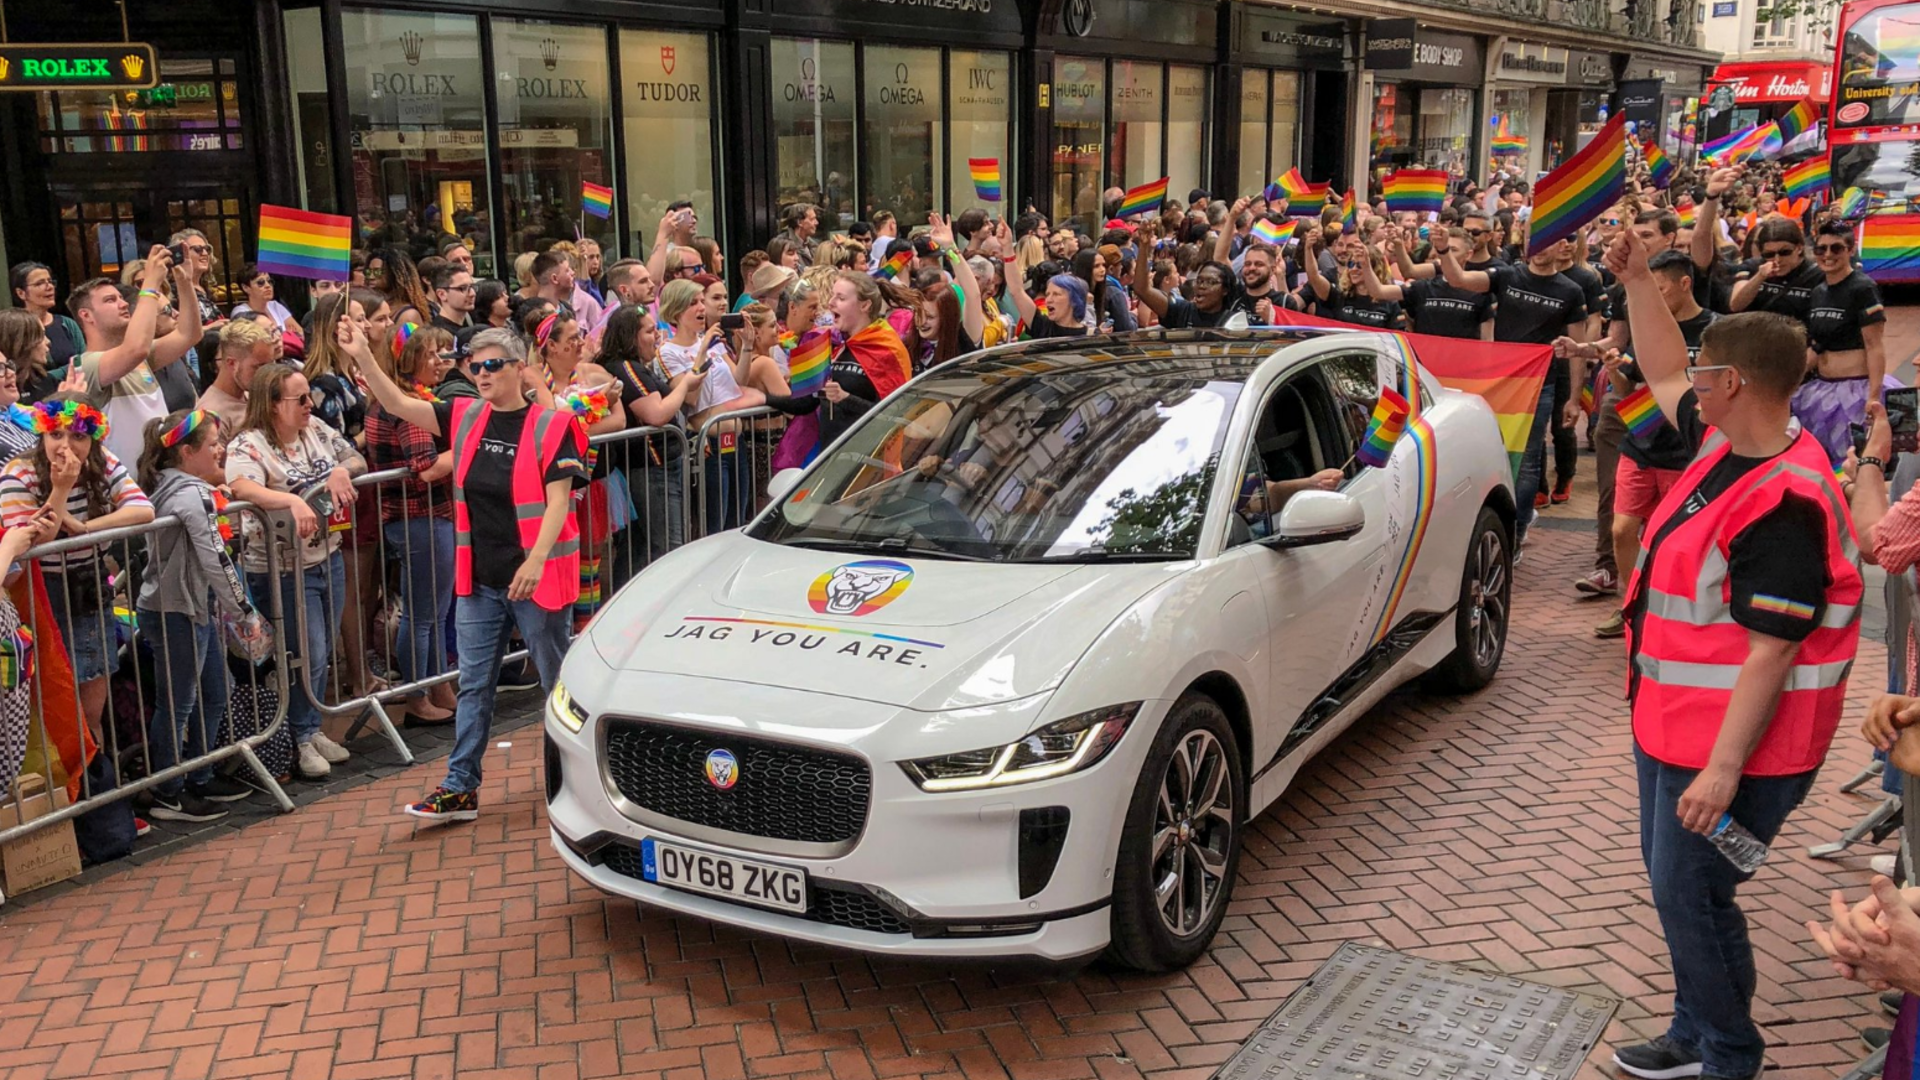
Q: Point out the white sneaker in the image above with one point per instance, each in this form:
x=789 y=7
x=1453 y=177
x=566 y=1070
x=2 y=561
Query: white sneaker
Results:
x=311 y=764
x=332 y=751
x=1882 y=865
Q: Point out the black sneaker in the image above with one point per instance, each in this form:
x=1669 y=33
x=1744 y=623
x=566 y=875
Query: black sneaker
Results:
x=1890 y=1002
x=223 y=789
x=1659 y=1059
x=518 y=676
x=185 y=806
x=1876 y=1038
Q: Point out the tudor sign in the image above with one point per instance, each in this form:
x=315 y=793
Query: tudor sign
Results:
x=1756 y=83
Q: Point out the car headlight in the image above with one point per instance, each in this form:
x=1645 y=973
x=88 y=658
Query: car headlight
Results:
x=565 y=709
x=1056 y=749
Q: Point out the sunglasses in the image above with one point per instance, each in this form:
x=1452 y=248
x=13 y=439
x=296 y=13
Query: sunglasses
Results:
x=200 y=249
x=1830 y=249
x=1694 y=371
x=1611 y=223
x=491 y=367
x=1778 y=253
x=303 y=400
x=1479 y=232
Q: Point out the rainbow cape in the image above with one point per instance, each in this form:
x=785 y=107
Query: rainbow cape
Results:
x=299 y=243
x=1810 y=176
x=1890 y=247
x=1658 y=164
x=986 y=177
x=596 y=199
x=1384 y=428
x=1570 y=196
x=807 y=362
x=1797 y=120
x=1421 y=191
x=1145 y=199
x=1641 y=412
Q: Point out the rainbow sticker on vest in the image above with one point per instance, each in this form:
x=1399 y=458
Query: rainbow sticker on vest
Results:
x=859 y=588
x=1780 y=605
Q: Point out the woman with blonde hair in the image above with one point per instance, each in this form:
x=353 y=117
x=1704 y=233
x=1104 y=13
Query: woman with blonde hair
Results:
x=199 y=262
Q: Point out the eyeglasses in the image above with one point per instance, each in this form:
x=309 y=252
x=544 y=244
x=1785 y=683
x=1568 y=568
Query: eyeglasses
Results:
x=491 y=367
x=199 y=249
x=468 y=287
x=1694 y=371
x=1778 y=253
x=1611 y=223
x=301 y=400
x=1830 y=249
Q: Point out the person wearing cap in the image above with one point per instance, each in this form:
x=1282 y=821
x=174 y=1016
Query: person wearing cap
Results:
x=1198 y=198
x=767 y=283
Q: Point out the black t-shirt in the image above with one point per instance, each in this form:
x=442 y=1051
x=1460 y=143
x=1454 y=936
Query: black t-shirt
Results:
x=1792 y=295
x=495 y=538
x=1593 y=291
x=440 y=320
x=638 y=379
x=1533 y=310
x=1365 y=311
x=1042 y=327
x=1777 y=566
x=1664 y=447
x=1182 y=314
x=1440 y=309
x=1835 y=313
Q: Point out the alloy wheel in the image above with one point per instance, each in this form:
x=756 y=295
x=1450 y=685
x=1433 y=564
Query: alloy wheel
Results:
x=1193 y=828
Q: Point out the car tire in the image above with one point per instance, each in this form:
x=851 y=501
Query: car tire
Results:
x=1480 y=622
x=1197 y=848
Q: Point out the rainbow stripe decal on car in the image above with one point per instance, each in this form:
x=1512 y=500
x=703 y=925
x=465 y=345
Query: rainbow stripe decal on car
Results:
x=1425 y=474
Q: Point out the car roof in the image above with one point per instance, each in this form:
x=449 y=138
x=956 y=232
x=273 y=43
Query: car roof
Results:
x=1225 y=352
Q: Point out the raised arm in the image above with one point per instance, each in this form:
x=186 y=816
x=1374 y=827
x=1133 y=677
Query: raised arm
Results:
x=1016 y=276
x=1383 y=290
x=115 y=363
x=186 y=326
x=662 y=247
x=1706 y=227
x=397 y=401
x=1143 y=290
x=1659 y=349
x=1310 y=262
x=1460 y=277
x=973 y=315
x=1223 y=244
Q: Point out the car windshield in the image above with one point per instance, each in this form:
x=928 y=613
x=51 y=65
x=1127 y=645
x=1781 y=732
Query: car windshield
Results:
x=1091 y=455
x=1889 y=172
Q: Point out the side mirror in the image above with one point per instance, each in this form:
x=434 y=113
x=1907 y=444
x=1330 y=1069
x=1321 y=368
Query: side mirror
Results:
x=1318 y=517
x=783 y=482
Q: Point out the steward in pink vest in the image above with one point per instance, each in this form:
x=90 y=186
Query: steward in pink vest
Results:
x=547 y=435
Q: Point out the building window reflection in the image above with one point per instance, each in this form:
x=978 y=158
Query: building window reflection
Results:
x=902 y=132
x=667 y=97
x=979 y=107
x=556 y=128
x=814 y=127
x=1079 y=135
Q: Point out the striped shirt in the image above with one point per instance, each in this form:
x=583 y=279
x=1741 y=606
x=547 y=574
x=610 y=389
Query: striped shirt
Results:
x=21 y=497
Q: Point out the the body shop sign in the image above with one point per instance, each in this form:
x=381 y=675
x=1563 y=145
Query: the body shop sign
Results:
x=1405 y=48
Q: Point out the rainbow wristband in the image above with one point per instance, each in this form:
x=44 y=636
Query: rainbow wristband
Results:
x=155 y=295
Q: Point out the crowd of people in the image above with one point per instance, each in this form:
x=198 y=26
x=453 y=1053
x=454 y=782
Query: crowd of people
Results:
x=554 y=433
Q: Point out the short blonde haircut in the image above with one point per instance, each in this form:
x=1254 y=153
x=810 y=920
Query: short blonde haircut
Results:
x=239 y=336
x=523 y=268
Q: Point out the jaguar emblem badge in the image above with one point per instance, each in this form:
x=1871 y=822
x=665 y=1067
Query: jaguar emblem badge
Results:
x=723 y=769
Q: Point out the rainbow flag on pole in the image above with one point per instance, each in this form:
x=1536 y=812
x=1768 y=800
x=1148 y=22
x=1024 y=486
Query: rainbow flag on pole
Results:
x=895 y=263
x=1348 y=219
x=1658 y=164
x=1687 y=214
x=1641 y=412
x=807 y=362
x=596 y=200
x=1145 y=199
x=1807 y=178
x=300 y=243
x=1570 y=196
x=1420 y=191
x=986 y=177
x=1760 y=140
x=1303 y=199
x=1384 y=428
x=1797 y=120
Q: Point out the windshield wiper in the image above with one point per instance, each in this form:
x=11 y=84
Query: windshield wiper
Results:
x=1092 y=555
x=892 y=545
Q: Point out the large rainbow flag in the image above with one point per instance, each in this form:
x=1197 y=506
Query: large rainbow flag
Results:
x=1797 y=120
x=1587 y=183
x=1761 y=140
x=1890 y=247
x=1659 y=166
x=1806 y=178
x=1421 y=191
x=303 y=244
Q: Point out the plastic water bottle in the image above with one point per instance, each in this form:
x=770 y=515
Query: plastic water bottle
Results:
x=1742 y=848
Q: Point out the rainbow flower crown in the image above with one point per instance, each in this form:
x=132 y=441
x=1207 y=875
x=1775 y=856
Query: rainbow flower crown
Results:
x=44 y=416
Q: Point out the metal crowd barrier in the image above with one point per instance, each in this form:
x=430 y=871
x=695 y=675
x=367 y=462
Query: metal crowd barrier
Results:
x=736 y=463
x=637 y=508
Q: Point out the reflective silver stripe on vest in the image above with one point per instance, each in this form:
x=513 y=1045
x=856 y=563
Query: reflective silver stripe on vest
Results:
x=1711 y=612
x=1723 y=676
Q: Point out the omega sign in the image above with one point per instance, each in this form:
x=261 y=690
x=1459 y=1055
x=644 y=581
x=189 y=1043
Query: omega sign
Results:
x=809 y=88
x=902 y=92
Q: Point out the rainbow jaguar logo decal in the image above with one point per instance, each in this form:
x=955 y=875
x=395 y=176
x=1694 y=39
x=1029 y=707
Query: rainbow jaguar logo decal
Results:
x=859 y=588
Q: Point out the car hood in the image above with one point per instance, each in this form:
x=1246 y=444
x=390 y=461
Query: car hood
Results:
x=924 y=634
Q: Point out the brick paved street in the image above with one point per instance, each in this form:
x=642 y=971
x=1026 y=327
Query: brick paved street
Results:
x=1498 y=831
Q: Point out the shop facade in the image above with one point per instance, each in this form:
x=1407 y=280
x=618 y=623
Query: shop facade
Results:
x=1662 y=101
x=1292 y=73
x=1423 y=105
x=1758 y=91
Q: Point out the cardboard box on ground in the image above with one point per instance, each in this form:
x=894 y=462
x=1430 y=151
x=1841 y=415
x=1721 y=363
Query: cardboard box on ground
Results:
x=44 y=856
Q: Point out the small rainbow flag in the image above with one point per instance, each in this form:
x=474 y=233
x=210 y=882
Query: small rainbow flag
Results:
x=1349 y=221
x=1798 y=119
x=1144 y=199
x=1384 y=428
x=986 y=177
x=1421 y=191
x=1274 y=193
x=1590 y=393
x=895 y=263
x=596 y=200
x=1269 y=232
x=1586 y=184
x=1303 y=199
x=1658 y=164
x=807 y=362
x=1641 y=412
x=1688 y=214
x=1761 y=140
x=1505 y=141
x=1890 y=247
x=299 y=243
x=1806 y=178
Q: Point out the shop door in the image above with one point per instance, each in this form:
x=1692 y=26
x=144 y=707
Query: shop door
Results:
x=104 y=224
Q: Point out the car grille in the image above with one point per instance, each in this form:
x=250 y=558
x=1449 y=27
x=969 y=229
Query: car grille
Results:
x=784 y=792
x=833 y=906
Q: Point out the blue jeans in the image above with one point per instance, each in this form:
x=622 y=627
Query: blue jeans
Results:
x=424 y=547
x=659 y=522
x=727 y=480
x=1706 y=932
x=325 y=589
x=1533 y=464
x=190 y=662
x=485 y=618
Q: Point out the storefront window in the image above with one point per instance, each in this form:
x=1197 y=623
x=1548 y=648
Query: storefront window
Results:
x=1512 y=126
x=1254 y=104
x=312 y=117
x=556 y=129
x=1079 y=134
x=1134 y=157
x=1446 y=128
x=667 y=92
x=901 y=128
x=1283 y=137
x=1392 y=125
x=814 y=128
x=419 y=130
x=1186 y=129
x=195 y=107
x=979 y=102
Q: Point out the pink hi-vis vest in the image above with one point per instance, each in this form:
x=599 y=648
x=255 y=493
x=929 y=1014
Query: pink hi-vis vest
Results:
x=542 y=440
x=1690 y=650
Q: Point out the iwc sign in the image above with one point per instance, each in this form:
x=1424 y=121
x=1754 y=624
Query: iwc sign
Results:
x=1077 y=17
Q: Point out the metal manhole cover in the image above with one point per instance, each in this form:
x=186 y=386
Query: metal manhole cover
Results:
x=1371 y=1014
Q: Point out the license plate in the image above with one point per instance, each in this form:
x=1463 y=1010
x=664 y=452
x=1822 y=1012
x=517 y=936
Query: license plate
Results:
x=760 y=884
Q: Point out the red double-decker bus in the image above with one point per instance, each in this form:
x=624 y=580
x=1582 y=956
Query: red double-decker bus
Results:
x=1873 y=122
